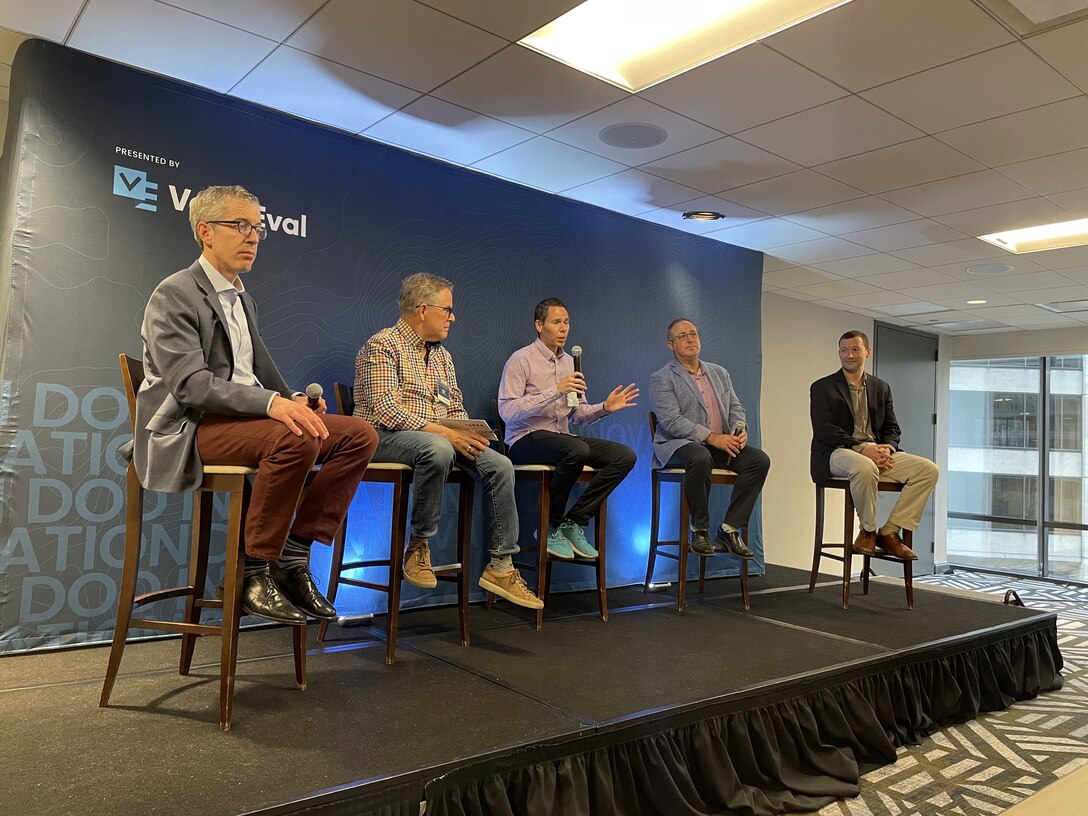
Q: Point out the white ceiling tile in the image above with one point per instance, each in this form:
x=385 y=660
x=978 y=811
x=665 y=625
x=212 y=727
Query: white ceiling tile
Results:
x=909 y=279
x=1077 y=274
x=274 y=19
x=873 y=300
x=386 y=38
x=875 y=264
x=797 y=276
x=1021 y=265
x=832 y=131
x=1051 y=174
x=680 y=132
x=1059 y=294
x=528 y=89
x=836 y=289
x=1074 y=202
x=437 y=128
x=953 y=294
x=869 y=43
x=910 y=307
x=322 y=91
x=801 y=190
x=852 y=216
x=946 y=253
x=1063 y=47
x=773 y=264
x=915 y=162
x=48 y=19
x=169 y=41
x=722 y=93
x=549 y=165
x=770 y=232
x=510 y=20
x=1013 y=314
x=966 y=192
x=983 y=86
x=1054 y=128
x=1061 y=259
x=1023 y=283
x=672 y=216
x=793 y=293
x=719 y=165
x=1048 y=320
x=905 y=235
x=1014 y=215
x=632 y=192
x=819 y=251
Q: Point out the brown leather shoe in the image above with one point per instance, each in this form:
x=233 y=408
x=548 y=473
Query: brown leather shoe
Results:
x=892 y=544
x=865 y=543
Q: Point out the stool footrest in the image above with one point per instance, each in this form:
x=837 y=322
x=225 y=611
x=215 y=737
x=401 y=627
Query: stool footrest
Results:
x=162 y=595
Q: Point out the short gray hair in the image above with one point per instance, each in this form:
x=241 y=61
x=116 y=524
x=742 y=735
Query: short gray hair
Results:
x=419 y=288
x=209 y=204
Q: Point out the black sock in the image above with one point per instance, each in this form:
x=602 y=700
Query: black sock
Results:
x=255 y=566
x=296 y=552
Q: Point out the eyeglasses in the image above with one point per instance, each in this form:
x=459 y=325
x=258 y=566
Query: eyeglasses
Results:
x=684 y=336
x=245 y=227
x=448 y=309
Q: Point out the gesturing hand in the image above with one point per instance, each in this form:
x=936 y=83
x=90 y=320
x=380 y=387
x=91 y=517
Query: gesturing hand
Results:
x=621 y=398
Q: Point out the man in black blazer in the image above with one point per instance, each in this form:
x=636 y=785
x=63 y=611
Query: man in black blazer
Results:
x=855 y=436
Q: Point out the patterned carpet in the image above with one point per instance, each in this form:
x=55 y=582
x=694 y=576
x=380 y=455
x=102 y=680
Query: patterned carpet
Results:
x=987 y=765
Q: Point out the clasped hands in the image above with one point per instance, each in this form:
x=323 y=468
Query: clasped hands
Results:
x=880 y=454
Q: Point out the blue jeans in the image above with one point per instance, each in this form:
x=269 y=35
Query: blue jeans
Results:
x=432 y=459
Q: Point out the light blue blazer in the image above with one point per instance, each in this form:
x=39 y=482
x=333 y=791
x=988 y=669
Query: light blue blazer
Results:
x=681 y=412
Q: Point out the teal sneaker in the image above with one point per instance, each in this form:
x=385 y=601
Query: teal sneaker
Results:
x=558 y=546
x=577 y=538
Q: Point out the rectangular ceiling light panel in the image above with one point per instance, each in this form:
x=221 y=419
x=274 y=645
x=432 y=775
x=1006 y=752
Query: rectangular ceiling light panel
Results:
x=637 y=43
x=1045 y=236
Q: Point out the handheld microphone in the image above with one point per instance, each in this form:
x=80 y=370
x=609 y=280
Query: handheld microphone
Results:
x=313 y=394
x=741 y=428
x=576 y=353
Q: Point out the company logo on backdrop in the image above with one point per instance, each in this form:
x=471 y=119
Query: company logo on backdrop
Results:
x=137 y=185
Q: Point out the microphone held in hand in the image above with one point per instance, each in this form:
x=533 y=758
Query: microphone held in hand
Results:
x=576 y=353
x=313 y=395
x=741 y=428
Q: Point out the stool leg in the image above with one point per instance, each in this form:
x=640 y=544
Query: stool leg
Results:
x=134 y=514
x=702 y=574
x=465 y=495
x=298 y=642
x=818 y=544
x=396 y=563
x=682 y=546
x=198 y=571
x=847 y=546
x=232 y=608
x=744 y=584
x=542 y=571
x=866 y=565
x=908 y=570
x=655 y=519
x=602 y=576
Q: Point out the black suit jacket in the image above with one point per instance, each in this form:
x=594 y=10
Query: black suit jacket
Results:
x=833 y=421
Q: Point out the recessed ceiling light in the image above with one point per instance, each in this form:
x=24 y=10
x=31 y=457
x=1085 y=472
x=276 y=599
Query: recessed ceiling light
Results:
x=989 y=269
x=975 y=302
x=1045 y=236
x=637 y=43
x=703 y=215
x=633 y=135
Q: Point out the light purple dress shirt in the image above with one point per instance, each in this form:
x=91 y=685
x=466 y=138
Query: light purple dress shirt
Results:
x=706 y=390
x=529 y=398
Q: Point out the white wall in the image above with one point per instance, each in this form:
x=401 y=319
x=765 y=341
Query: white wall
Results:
x=800 y=345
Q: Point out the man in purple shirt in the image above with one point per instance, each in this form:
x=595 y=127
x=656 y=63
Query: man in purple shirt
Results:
x=539 y=395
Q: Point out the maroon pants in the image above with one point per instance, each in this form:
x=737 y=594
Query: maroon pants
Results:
x=283 y=463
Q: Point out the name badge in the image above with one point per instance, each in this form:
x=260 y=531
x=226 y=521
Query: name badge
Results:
x=442 y=394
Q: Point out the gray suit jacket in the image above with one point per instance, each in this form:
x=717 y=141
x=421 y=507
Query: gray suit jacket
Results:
x=681 y=412
x=188 y=362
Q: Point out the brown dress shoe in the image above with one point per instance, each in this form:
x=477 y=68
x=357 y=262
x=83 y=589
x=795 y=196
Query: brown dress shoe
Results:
x=865 y=543
x=893 y=544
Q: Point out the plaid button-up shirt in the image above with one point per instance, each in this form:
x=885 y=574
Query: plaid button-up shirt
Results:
x=396 y=381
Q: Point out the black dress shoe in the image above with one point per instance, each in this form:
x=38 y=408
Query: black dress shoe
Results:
x=261 y=598
x=299 y=587
x=732 y=542
x=700 y=544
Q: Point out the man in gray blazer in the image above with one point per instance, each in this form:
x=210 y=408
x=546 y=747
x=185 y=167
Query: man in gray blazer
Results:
x=700 y=426
x=212 y=394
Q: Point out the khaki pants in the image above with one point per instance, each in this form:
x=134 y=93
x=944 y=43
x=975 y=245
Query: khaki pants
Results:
x=917 y=473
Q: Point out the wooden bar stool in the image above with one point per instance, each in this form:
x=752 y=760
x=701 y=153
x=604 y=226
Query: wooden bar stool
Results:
x=217 y=478
x=659 y=476
x=541 y=476
x=400 y=477
x=821 y=548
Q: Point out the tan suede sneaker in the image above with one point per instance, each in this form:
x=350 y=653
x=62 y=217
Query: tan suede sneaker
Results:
x=417 y=568
x=510 y=585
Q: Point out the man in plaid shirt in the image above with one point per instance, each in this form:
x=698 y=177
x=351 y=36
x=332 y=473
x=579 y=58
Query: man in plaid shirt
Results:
x=405 y=383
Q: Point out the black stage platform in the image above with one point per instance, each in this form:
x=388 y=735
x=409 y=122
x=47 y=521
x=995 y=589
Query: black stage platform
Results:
x=712 y=710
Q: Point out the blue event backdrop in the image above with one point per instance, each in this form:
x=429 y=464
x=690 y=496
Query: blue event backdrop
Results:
x=99 y=161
